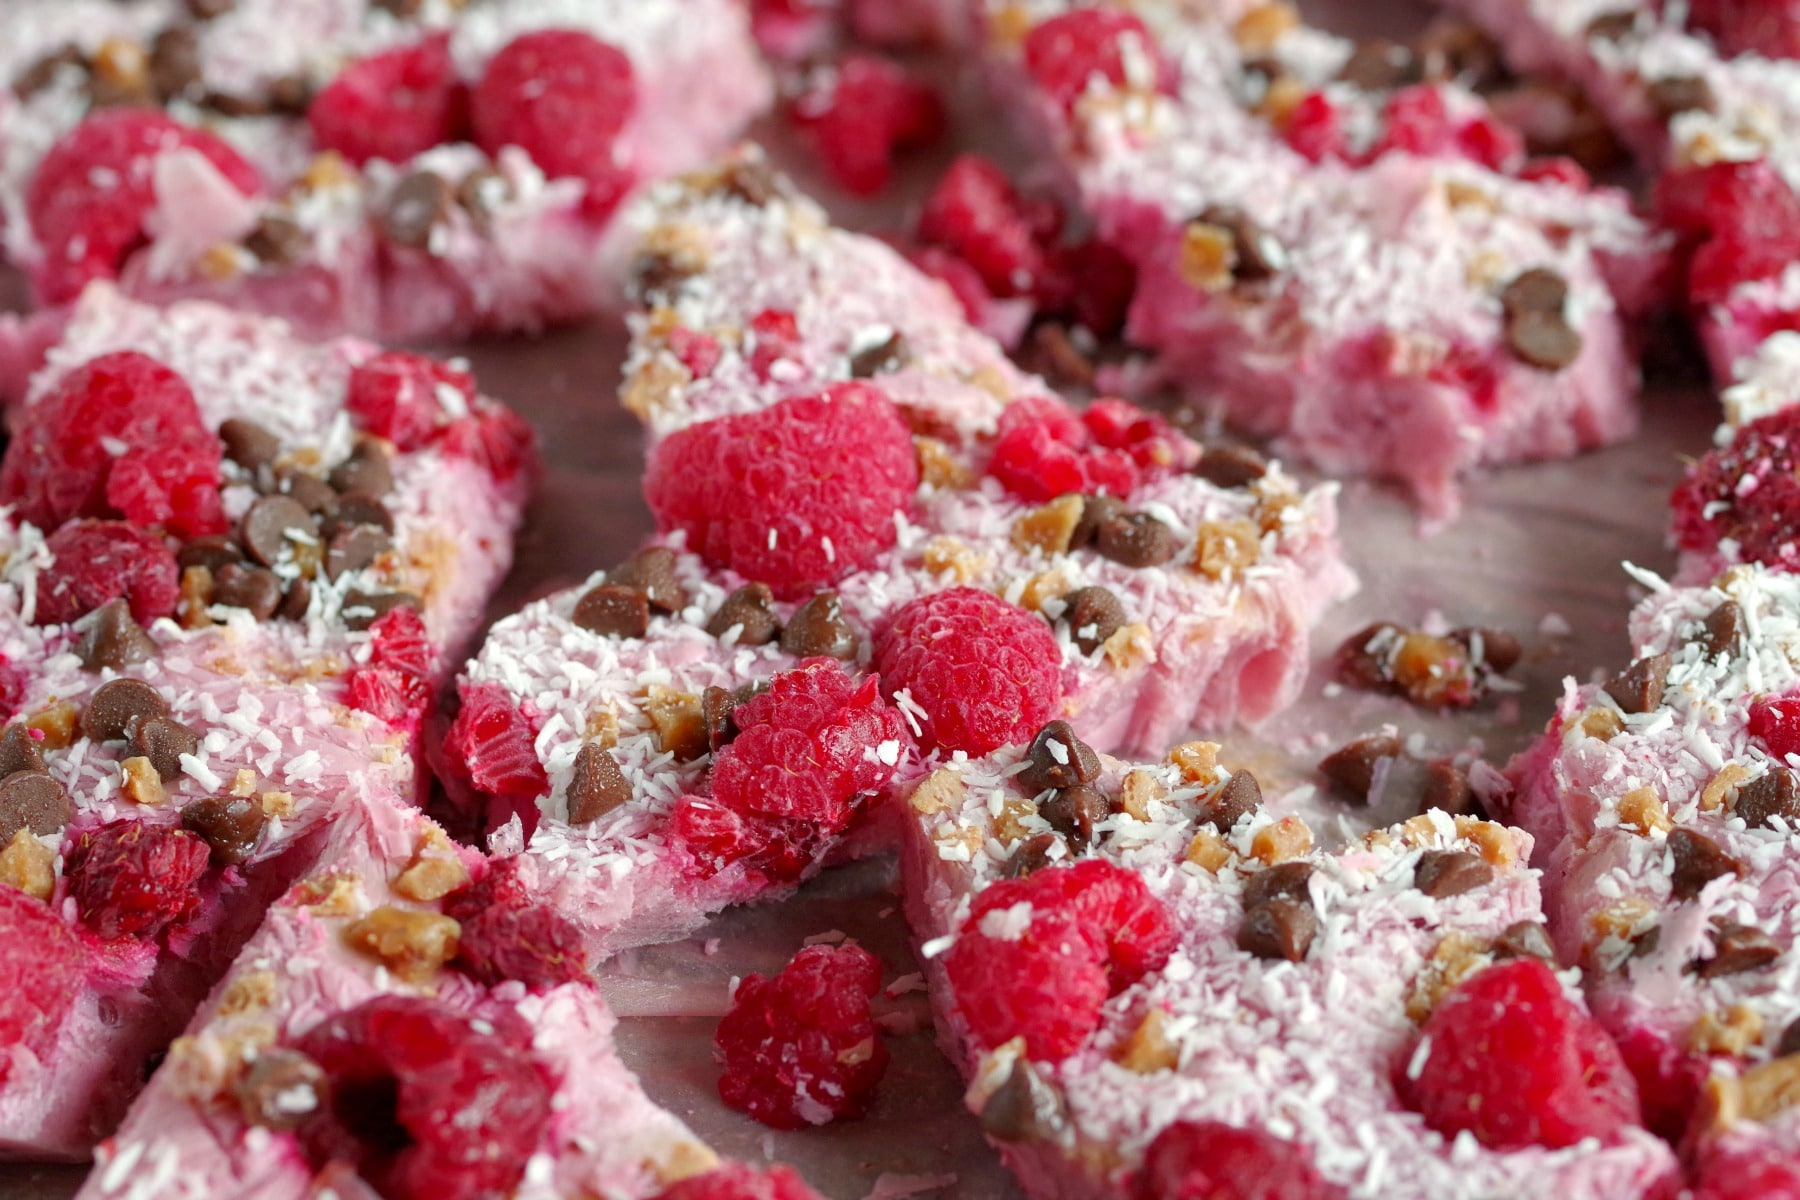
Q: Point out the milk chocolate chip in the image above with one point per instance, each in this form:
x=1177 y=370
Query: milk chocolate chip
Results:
x=117 y=707
x=1351 y=767
x=114 y=639
x=751 y=611
x=1283 y=928
x=230 y=825
x=35 y=801
x=652 y=571
x=819 y=627
x=1441 y=874
x=1639 y=689
x=1093 y=614
x=596 y=786
x=1058 y=759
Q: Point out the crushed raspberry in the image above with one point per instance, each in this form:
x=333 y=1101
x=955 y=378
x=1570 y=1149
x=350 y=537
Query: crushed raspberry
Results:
x=96 y=561
x=395 y=684
x=1193 y=1159
x=974 y=213
x=985 y=672
x=1743 y=219
x=792 y=30
x=801 y=1049
x=91 y=194
x=1038 y=956
x=1776 y=724
x=1769 y=28
x=1748 y=492
x=698 y=352
x=424 y=1103
x=737 y=1181
x=394 y=105
x=493 y=741
x=1065 y=53
x=508 y=935
x=399 y=396
x=13 y=684
x=562 y=96
x=1416 y=120
x=1669 y=1080
x=1556 y=169
x=794 y=496
x=1765 y=1172
x=774 y=337
x=1094 y=286
x=1315 y=128
x=1510 y=1058
x=963 y=280
x=861 y=113
x=41 y=966
x=494 y=438
x=119 y=436
x=1492 y=143
x=130 y=878
x=1044 y=450
x=713 y=838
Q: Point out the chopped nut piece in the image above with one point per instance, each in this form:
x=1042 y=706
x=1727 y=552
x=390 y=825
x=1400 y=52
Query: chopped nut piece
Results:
x=1495 y=841
x=1129 y=645
x=28 y=865
x=1453 y=959
x=1148 y=1049
x=938 y=467
x=1258 y=30
x=277 y=804
x=1136 y=792
x=139 y=781
x=676 y=718
x=940 y=791
x=1197 y=761
x=1714 y=793
x=1643 y=810
x=1225 y=548
x=57 y=723
x=243 y=782
x=1208 y=851
x=411 y=944
x=331 y=895
x=1208 y=257
x=1622 y=919
x=1288 y=838
x=1045 y=585
x=955 y=557
x=684 y=1160
x=1741 y=1029
x=1602 y=723
x=435 y=870
x=250 y=992
x=1049 y=527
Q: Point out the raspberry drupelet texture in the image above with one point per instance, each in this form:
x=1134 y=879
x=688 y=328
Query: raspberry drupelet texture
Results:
x=130 y=878
x=974 y=214
x=493 y=741
x=119 y=436
x=863 y=111
x=92 y=192
x=1742 y=219
x=1749 y=492
x=506 y=934
x=41 y=966
x=1776 y=724
x=394 y=105
x=1065 y=53
x=395 y=683
x=1769 y=28
x=97 y=561
x=1044 y=449
x=1510 y=1058
x=423 y=1102
x=1763 y=1172
x=1195 y=1159
x=400 y=396
x=984 y=672
x=739 y=1181
x=794 y=496
x=1038 y=956
x=801 y=1048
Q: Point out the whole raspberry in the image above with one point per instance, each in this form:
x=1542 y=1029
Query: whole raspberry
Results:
x=1742 y=218
x=801 y=1048
x=714 y=837
x=1043 y=450
x=506 y=934
x=562 y=96
x=96 y=561
x=119 y=436
x=1194 y=1159
x=1510 y=1058
x=1038 y=956
x=130 y=878
x=737 y=1181
x=1066 y=53
x=1776 y=724
x=42 y=965
x=393 y=105
x=493 y=741
x=88 y=201
x=860 y=113
x=985 y=672
x=1748 y=492
x=811 y=747
x=1769 y=28
x=395 y=683
x=1764 y=1172
x=424 y=1103
x=400 y=396
x=794 y=496
x=974 y=213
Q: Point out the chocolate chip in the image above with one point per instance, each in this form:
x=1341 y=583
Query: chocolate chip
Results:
x=1457 y=52
x=1231 y=466
x=481 y=193
x=1539 y=290
x=1291 y=880
x=716 y=708
x=1543 y=340
x=1257 y=253
x=1074 y=811
x=819 y=627
x=1095 y=512
x=1058 y=759
x=163 y=740
x=1351 y=767
x=1447 y=788
x=295 y=601
x=206 y=10
x=307 y=490
x=118 y=706
x=1639 y=689
x=1646 y=942
x=249 y=444
x=1736 y=949
x=656 y=277
x=271 y=523
x=1774 y=793
x=1614 y=26
x=1790 y=1040
x=35 y=801
x=1364 y=659
x=114 y=639
x=356 y=509
x=290 y=95
x=1241 y=794
x=613 y=611
x=1033 y=854
x=363 y=609
x=751 y=180
x=42 y=73
x=281 y=1089
x=751 y=611
x=1281 y=929
x=1495 y=649
x=1676 y=94
x=1698 y=861
x=211 y=551
x=232 y=104
x=652 y=572
x=1441 y=874
x=367 y=472
x=252 y=588
x=887 y=355
x=596 y=786
x=1011 y=1114
x=1724 y=629
x=1093 y=615
x=1053 y=354
x=1136 y=540
x=19 y=751
x=229 y=824
x=400 y=8
x=175 y=64
x=1379 y=65
x=353 y=549
x=1525 y=939
x=419 y=205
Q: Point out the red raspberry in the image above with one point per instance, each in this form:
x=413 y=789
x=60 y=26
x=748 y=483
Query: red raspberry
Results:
x=1764 y=1172
x=1194 y=1159
x=1415 y=121
x=14 y=681
x=494 y=438
x=130 y=878
x=1776 y=724
x=792 y=31
x=1096 y=286
x=398 y=396
x=1743 y=218
x=714 y=838
x=119 y=435
x=1511 y=1059
x=424 y=1103
x=89 y=198
x=1669 y=1080
x=1556 y=169
x=801 y=1048
x=736 y=1181
x=41 y=966
x=493 y=742
x=1044 y=450
x=1065 y=53
x=1315 y=128
x=1493 y=144
x=97 y=561
x=794 y=496
x=395 y=684
x=1770 y=28
x=774 y=337
x=1088 y=931
x=698 y=352
x=863 y=111
x=807 y=748
x=506 y=934
x=986 y=672
x=963 y=280
x=1749 y=492
x=974 y=213
x=562 y=96
x=393 y=105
